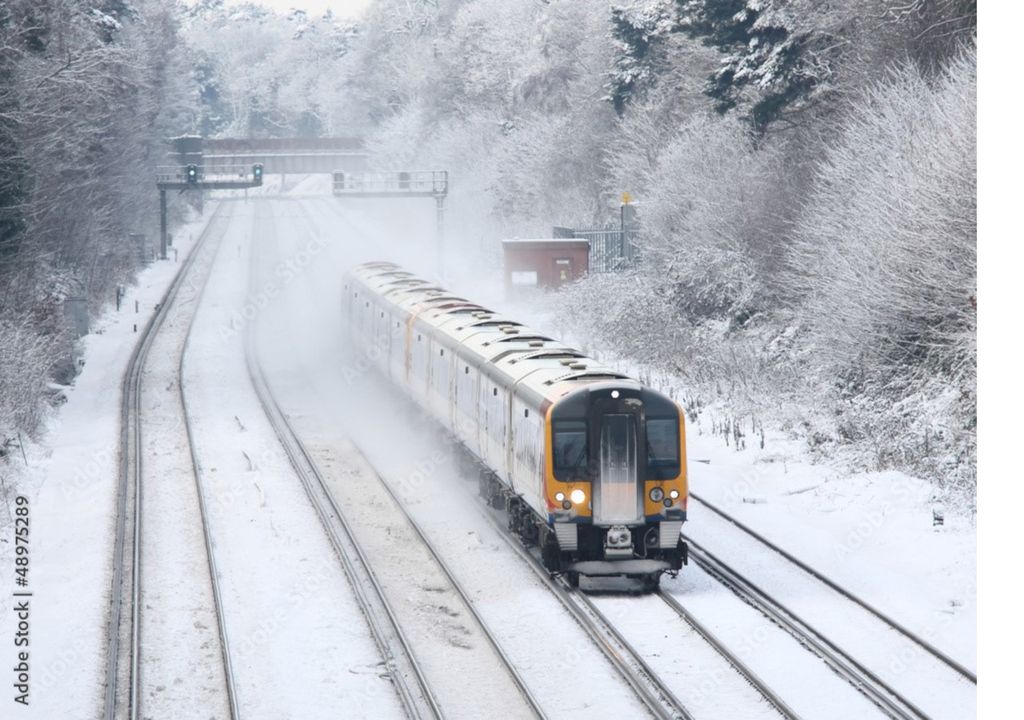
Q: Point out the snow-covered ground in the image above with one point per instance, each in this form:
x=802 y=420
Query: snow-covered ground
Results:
x=301 y=642
x=71 y=482
x=871 y=532
x=329 y=402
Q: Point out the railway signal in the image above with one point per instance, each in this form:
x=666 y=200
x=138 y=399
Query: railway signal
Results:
x=186 y=176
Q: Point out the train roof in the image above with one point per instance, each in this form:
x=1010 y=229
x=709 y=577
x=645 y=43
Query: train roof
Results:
x=530 y=361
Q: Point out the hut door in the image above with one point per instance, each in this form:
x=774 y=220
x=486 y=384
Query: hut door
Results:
x=563 y=271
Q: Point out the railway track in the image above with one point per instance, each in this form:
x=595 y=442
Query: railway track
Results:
x=460 y=589
x=627 y=661
x=913 y=637
x=125 y=643
x=405 y=669
x=728 y=655
x=882 y=694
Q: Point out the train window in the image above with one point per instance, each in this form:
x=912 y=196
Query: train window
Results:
x=382 y=313
x=467 y=369
x=418 y=338
x=526 y=412
x=569 y=438
x=662 y=448
x=495 y=392
x=367 y=303
x=442 y=352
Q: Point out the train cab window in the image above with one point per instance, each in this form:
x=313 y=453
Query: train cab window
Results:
x=662 y=448
x=569 y=440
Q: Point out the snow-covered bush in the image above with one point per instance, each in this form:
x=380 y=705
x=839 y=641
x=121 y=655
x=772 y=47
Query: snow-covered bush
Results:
x=885 y=254
x=710 y=214
x=26 y=358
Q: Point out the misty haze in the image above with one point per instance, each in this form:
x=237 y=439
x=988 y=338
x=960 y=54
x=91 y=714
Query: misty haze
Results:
x=488 y=358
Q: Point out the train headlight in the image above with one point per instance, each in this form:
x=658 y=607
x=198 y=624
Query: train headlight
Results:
x=673 y=494
x=577 y=496
x=657 y=494
x=559 y=496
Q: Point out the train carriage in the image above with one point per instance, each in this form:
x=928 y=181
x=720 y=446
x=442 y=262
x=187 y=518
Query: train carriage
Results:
x=589 y=463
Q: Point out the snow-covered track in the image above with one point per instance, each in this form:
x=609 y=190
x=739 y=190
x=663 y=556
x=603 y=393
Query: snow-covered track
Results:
x=124 y=650
x=728 y=655
x=211 y=560
x=881 y=693
x=404 y=669
x=928 y=647
x=627 y=661
x=425 y=673
x=460 y=589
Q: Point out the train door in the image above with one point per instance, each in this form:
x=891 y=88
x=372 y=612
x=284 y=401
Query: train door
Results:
x=617 y=492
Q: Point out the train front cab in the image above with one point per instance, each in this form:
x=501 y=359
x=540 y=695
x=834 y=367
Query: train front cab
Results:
x=615 y=483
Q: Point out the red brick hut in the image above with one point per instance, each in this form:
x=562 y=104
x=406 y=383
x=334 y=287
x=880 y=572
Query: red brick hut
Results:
x=546 y=263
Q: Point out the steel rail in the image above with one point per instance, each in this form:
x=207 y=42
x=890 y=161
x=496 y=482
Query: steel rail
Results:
x=849 y=595
x=129 y=496
x=509 y=665
x=730 y=657
x=887 y=698
x=517 y=678
x=367 y=589
x=197 y=473
x=634 y=670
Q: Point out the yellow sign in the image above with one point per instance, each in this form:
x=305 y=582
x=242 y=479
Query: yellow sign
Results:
x=626 y=198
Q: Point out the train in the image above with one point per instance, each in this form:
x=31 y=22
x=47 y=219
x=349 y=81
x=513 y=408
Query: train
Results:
x=589 y=464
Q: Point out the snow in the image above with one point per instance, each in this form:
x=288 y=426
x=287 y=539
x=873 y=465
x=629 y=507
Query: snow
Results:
x=299 y=644
x=890 y=555
x=870 y=532
x=71 y=484
x=330 y=397
x=180 y=668
x=302 y=646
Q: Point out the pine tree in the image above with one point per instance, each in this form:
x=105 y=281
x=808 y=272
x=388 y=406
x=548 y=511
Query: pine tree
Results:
x=638 y=31
x=764 y=56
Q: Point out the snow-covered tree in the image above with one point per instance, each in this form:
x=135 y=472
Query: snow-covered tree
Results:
x=885 y=253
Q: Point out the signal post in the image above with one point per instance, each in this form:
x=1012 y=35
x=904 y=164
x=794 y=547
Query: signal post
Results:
x=192 y=177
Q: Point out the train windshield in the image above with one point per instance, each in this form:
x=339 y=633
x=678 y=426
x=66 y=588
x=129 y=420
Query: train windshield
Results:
x=570 y=449
x=662 y=448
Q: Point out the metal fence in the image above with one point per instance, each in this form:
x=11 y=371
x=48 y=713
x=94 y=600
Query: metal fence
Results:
x=612 y=247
